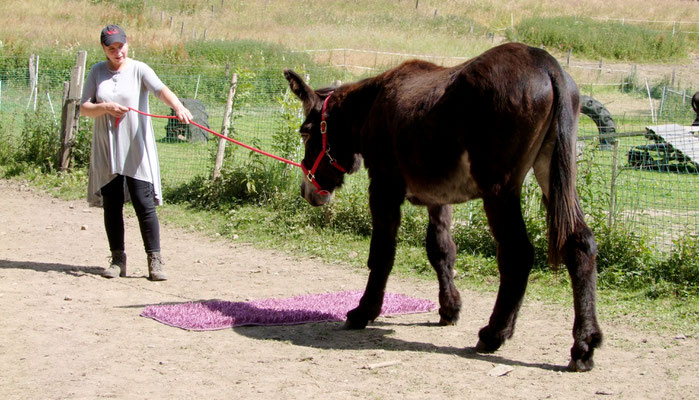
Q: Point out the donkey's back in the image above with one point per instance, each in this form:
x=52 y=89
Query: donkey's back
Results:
x=458 y=133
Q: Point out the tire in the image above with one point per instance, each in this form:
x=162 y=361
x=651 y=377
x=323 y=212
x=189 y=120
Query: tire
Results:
x=695 y=107
x=601 y=116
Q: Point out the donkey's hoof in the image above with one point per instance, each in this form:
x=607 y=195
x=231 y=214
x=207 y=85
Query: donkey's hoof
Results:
x=446 y=317
x=354 y=322
x=580 y=365
x=487 y=343
x=482 y=347
x=581 y=354
x=353 y=325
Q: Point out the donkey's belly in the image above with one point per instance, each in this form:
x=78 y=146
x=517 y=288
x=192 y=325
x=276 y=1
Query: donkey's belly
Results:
x=457 y=186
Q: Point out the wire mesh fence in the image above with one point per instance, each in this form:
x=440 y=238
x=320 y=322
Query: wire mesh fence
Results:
x=644 y=175
x=649 y=176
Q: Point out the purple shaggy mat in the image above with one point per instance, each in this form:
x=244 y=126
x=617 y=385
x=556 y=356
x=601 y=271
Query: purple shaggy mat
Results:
x=215 y=314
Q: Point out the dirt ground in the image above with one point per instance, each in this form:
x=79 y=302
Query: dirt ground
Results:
x=68 y=333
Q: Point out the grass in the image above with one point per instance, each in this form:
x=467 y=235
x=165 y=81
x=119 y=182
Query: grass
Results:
x=435 y=27
x=610 y=40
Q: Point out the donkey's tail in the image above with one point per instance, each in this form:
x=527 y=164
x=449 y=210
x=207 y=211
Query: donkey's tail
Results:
x=563 y=206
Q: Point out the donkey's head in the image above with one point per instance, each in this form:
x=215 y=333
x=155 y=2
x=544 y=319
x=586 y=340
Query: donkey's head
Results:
x=324 y=165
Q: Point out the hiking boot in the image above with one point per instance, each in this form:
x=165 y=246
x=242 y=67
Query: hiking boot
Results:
x=155 y=267
x=117 y=265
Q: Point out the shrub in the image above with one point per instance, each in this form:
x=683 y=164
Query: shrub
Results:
x=677 y=275
x=82 y=142
x=472 y=235
x=8 y=141
x=39 y=143
x=249 y=183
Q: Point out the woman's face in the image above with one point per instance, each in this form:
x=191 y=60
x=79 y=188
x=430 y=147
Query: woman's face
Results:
x=116 y=54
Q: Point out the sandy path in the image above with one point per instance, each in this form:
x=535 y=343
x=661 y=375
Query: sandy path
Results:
x=68 y=333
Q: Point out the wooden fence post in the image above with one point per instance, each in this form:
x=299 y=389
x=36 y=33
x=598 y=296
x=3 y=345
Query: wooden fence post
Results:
x=70 y=113
x=36 y=80
x=33 y=79
x=612 y=186
x=226 y=125
x=672 y=80
x=30 y=66
x=662 y=101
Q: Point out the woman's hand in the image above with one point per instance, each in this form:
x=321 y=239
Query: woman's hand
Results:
x=183 y=114
x=115 y=109
x=90 y=109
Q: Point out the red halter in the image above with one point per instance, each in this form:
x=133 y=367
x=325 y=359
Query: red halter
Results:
x=310 y=175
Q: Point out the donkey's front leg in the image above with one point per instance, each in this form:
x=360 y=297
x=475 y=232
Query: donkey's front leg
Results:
x=515 y=257
x=385 y=199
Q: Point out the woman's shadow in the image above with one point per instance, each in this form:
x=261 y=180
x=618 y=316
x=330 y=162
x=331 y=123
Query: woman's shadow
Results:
x=73 y=270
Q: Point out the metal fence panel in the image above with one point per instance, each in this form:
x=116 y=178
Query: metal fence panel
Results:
x=643 y=181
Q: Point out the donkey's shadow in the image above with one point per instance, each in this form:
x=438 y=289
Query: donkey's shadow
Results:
x=377 y=336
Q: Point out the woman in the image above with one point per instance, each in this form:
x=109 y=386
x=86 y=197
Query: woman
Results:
x=124 y=160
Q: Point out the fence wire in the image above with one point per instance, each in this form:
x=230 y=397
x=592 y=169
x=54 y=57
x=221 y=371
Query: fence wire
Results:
x=639 y=176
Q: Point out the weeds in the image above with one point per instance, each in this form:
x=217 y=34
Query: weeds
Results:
x=39 y=143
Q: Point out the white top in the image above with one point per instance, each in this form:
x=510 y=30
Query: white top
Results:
x=129 y=148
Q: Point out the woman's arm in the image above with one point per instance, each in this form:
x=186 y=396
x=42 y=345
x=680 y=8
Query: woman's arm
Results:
x=181 y=112
x=90 y=109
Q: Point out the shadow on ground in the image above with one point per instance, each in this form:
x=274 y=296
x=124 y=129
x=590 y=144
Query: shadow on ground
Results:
x=376 y=336
x=74 y=270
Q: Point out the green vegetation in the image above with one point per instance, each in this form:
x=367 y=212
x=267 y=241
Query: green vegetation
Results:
x=595 y=39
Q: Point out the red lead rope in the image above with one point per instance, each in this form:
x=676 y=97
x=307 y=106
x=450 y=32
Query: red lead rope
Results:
x=295 y=164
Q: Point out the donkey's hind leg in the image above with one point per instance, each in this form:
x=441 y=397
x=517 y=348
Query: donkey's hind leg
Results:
x=515 y=257
x=441 y=251
x=580 y=255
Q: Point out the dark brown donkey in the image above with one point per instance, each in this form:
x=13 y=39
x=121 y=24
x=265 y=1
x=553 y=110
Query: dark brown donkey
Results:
x=439 y=136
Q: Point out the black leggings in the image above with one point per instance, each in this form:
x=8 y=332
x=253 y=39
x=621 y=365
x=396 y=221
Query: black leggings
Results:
x=143 y=199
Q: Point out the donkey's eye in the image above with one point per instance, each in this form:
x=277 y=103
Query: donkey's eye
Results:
x=305 y=131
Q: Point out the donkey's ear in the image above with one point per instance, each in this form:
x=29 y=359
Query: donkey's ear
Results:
x=308 y=96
